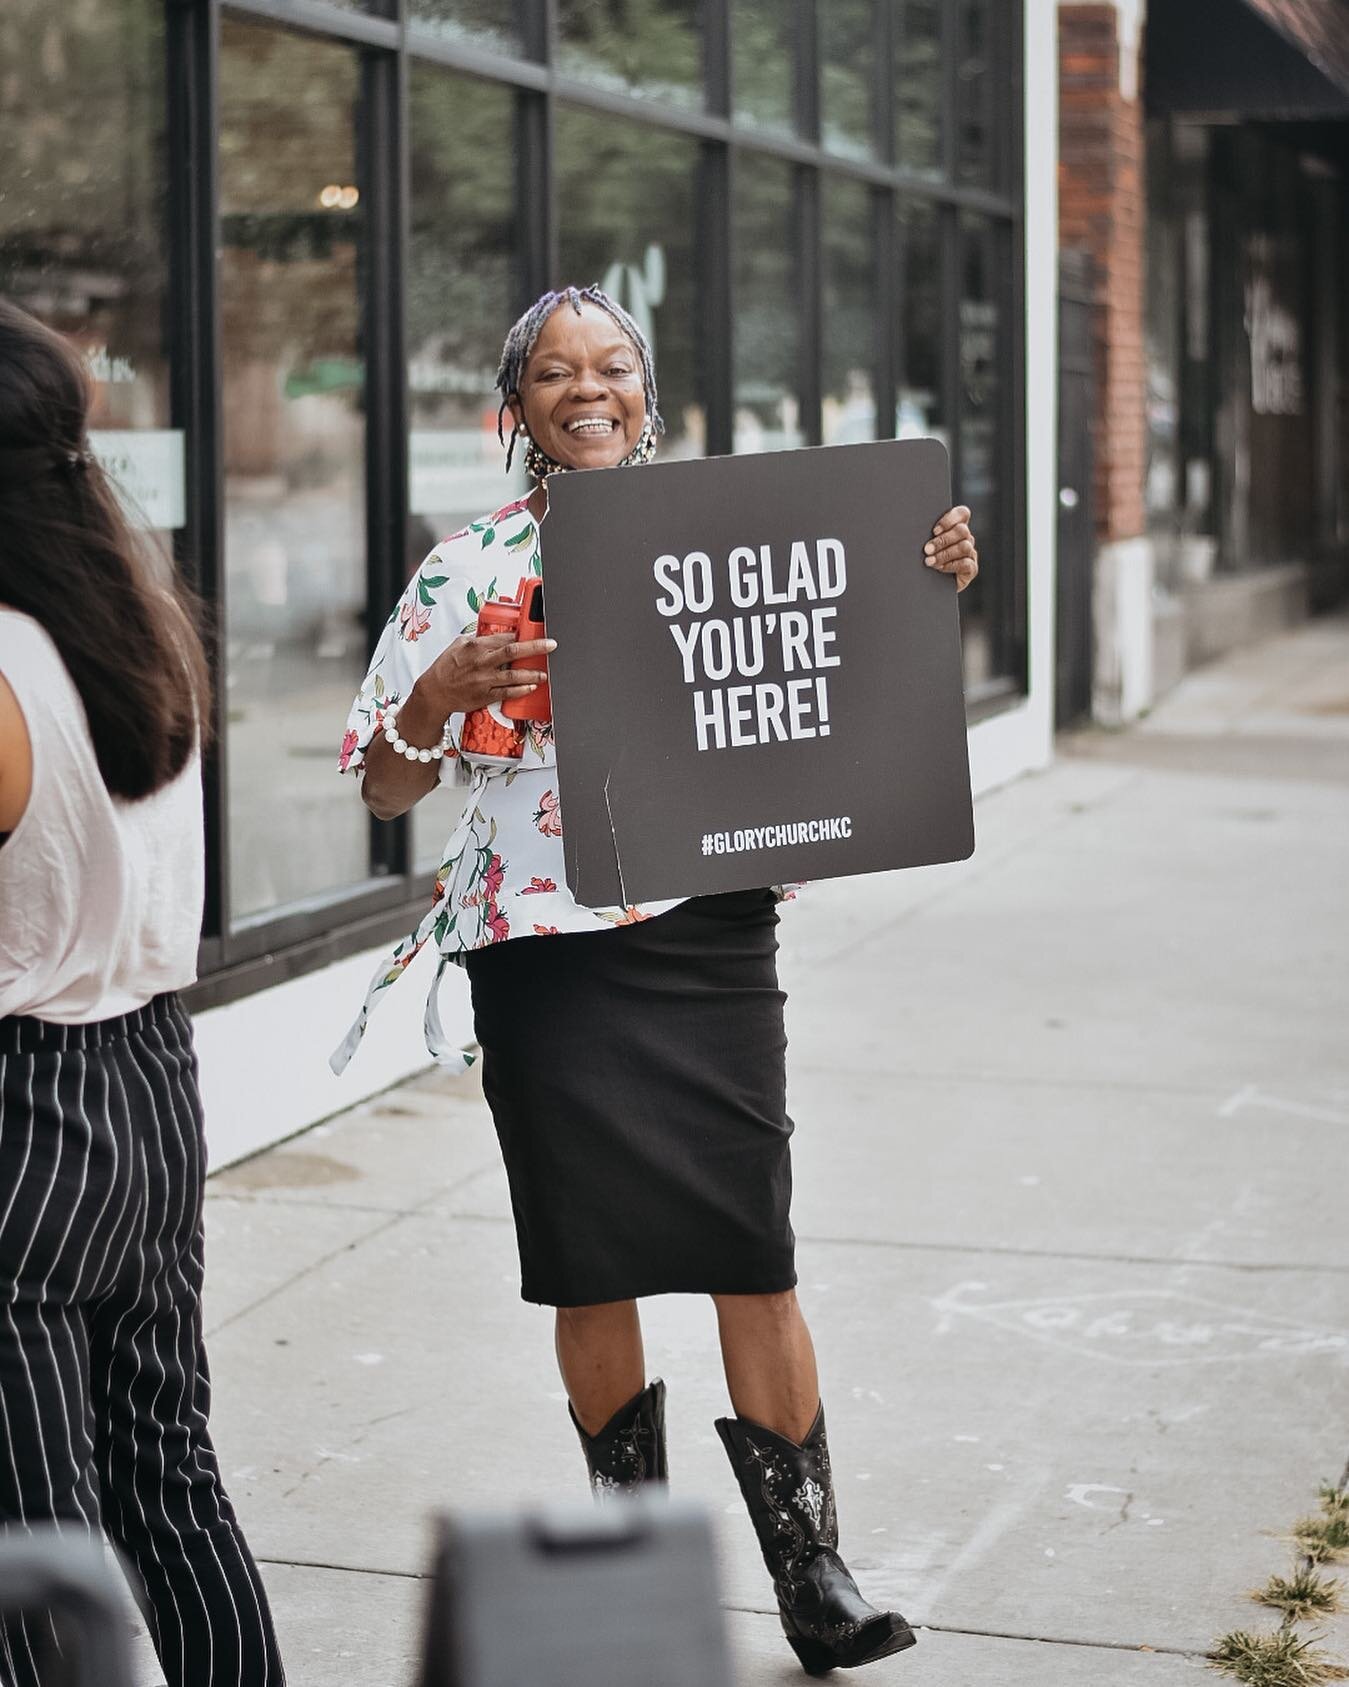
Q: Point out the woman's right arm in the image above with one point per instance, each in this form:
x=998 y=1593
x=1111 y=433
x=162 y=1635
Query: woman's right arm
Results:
x=469 y=674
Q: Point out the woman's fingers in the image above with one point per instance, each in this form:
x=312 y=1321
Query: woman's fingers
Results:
x=952 y=548
x=531 y=647
x=958 y=550
x=507 y=677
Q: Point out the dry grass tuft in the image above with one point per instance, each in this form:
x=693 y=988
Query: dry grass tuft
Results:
x=1281 y=1659
x=1306 y=1593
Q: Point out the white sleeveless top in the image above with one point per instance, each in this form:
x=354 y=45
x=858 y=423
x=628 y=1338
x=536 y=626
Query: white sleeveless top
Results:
x=100 y=898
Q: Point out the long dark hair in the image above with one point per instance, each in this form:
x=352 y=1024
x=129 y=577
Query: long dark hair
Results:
x=69 y=558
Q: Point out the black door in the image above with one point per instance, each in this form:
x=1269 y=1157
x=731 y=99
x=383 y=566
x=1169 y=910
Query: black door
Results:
x=1077 y=462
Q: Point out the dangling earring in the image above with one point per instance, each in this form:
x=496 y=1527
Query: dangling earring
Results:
x=538 y=463
x=645 y=448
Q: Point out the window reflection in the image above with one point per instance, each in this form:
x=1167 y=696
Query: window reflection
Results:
x=762 y=69
x=626 y=220
x=975 y=93
x=460 y=302
x=982 y=267
x=292 y=232
x=847 y=60
x=82 y=220
x=918 y=85
x=653 y=48
x=849 y=397
x=767 y=327
x=919 y=408
x=479 y=23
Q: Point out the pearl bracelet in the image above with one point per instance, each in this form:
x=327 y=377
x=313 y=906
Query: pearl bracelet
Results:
x=400 y=745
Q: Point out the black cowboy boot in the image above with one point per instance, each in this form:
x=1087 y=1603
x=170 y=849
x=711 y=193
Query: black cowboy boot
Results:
x=630 y=1449
x=790 y=1494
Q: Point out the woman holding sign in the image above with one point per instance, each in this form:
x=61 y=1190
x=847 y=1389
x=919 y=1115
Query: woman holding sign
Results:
x=637 y=1082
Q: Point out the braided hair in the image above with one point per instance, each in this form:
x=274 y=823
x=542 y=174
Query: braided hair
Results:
x=523 y=337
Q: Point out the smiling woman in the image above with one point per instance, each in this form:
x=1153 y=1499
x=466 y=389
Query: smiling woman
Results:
x=591 y=380
x=647 y=1148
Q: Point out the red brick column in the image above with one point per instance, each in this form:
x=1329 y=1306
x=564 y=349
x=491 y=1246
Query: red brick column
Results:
x=1102 y=204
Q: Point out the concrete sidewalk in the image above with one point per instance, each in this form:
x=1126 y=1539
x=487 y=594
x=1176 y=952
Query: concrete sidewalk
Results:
x=1070 y=1194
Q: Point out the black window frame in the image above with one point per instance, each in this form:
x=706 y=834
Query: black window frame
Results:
x=235 y=959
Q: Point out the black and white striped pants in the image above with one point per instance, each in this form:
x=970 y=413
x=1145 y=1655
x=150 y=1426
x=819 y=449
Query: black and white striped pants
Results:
x=104 y=1391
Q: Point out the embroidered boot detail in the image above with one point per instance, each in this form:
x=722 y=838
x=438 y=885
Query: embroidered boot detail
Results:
x=630 y=1450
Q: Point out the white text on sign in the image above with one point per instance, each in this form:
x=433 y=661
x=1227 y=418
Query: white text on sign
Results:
x=715 y=651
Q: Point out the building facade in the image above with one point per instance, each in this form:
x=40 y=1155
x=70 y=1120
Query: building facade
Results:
x=1205 y=181
x=290 y=234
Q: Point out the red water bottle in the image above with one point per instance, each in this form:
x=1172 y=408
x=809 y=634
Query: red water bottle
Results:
x=522 y=616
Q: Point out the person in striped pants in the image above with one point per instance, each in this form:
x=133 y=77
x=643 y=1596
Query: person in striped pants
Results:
x=104 y=1390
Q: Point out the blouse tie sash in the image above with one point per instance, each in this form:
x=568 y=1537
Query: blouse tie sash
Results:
x=393 y=965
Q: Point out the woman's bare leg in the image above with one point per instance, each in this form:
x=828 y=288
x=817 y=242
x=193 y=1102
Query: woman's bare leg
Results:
x=599 y=1352
x=770 y=1361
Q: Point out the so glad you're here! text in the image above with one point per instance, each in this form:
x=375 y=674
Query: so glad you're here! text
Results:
x=755 y=612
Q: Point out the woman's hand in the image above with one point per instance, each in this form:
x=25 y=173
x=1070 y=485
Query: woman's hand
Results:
x=469 y=674
x=474 y=672
x=951 y=549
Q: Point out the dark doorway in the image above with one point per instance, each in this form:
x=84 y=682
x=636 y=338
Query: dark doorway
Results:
x=1077 y=463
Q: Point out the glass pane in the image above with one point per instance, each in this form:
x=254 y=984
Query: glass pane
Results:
x=649 y=47
x=761 y=65
x=918 y=85
x=767 y=307
x=981 y=484
x=481 y=23
x=626 y=215
x=82 y=220
x=919 y=411
x=847 y=66
x=461 y=285
x=292 y=232
x=849 y=397
x=976 y=134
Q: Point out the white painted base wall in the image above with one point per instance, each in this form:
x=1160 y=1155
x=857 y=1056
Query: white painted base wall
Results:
x=1123 y=610
x=264 y=1060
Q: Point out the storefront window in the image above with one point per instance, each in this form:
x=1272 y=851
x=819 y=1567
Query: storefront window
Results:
x=919 y=411
x=976 y=133
x=82 y=220
x=626 y=219
x=767 y=326
x=762 y=66
x=653 y=48
x=292 y=233
x=479 y=23
x=460 y=301
x=850 y=309
x=847 y=67
x=982 y=272
x=918 y=85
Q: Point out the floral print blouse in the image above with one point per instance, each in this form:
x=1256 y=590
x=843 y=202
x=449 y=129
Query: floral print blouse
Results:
x=501 y=873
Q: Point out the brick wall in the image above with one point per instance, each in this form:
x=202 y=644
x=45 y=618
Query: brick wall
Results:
x=1102 y=202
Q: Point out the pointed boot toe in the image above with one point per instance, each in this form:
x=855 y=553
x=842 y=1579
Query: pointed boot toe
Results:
x=789 y=1490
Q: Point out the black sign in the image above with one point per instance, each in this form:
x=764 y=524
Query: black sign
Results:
x=756 y=680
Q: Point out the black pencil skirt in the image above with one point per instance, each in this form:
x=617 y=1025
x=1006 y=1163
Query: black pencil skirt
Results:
x=637 y=1081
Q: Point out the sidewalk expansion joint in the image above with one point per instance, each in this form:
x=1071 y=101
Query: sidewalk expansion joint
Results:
x=341 y=1569
x=1195 y=1653
x=982 y=1248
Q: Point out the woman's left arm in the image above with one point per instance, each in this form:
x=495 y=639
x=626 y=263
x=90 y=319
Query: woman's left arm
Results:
x=16 y=760
x=951 y=549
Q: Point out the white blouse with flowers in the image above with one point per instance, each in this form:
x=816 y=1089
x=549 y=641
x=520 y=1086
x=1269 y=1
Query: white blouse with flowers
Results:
x=501 y=872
